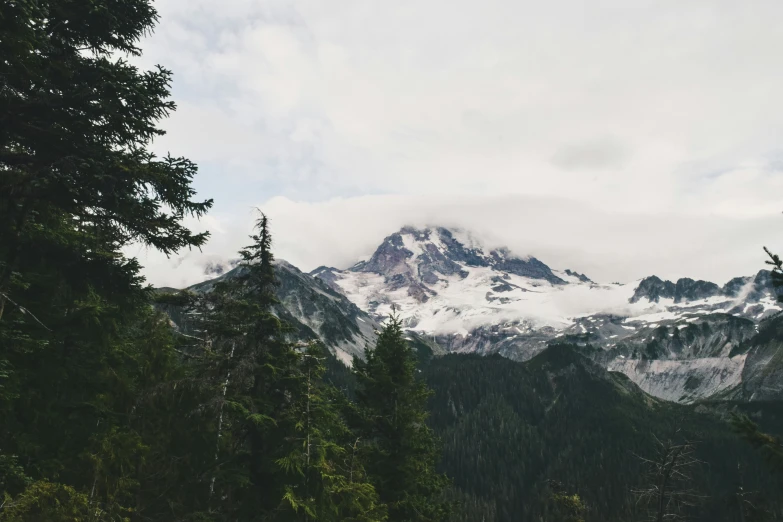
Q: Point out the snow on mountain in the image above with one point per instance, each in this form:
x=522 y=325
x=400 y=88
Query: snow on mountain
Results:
x=442 y=284
x=447 y=287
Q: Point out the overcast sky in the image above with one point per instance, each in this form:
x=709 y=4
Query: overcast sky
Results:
x=616 y=138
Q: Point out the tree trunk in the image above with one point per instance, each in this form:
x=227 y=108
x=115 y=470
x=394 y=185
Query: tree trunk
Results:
x=220 y=422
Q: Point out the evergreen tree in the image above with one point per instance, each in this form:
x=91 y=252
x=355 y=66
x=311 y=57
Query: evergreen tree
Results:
x=282 y=447
x=770 y=446
x=565 y=506
x=80 y=347
x=401 y=451
x=246 y=371
x=78 y=182
x=330 y=482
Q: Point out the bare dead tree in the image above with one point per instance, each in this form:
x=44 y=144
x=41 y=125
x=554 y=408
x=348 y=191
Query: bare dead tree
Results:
x=669 y=495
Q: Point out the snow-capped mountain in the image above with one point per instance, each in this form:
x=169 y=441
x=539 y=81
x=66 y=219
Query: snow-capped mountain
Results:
x=680 y=340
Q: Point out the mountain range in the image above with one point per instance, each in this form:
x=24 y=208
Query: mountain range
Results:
x=681 y=341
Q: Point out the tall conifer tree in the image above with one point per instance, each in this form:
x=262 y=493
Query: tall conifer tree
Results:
x=283 y=450
x=246 y=372
x=400 y=449
x=77 y=184
x=328 y=481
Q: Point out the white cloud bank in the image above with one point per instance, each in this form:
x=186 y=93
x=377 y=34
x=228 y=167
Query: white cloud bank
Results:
x=607 y=246
x=657 y=125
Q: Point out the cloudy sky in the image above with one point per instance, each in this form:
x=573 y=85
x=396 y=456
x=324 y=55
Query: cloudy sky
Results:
x=618 y=138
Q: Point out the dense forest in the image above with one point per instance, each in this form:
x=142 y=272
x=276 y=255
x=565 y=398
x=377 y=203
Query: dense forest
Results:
x=122 y=403
x=106 y=411
x=511 y=430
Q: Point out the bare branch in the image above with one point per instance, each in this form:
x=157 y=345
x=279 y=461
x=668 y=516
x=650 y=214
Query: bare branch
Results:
x=24 y=310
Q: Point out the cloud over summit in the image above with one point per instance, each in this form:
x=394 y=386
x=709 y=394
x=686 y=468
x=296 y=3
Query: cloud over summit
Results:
x=645 y=109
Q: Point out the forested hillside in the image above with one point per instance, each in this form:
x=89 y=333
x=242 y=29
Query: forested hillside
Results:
x=509 y=428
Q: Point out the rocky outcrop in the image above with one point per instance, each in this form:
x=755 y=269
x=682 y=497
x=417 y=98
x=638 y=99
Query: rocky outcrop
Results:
x=762 y=375
x=313 y=309
x=683 y=380
x=654 y=289
x=579 y=276
x=426 y=254
x=751 y=288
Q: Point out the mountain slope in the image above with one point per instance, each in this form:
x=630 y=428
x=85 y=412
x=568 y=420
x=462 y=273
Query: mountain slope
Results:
x=762 y=373
x=314 y=310
x=466 y=298
x=508 y=427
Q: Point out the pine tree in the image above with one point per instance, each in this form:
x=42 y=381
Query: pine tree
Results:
x=244 y=363
x=566 y=507
x=78 y=184
x=401 y=451
x=282 y=447
x=770 y=446
x=78 y=181
x=327 y=479
x=247 y=376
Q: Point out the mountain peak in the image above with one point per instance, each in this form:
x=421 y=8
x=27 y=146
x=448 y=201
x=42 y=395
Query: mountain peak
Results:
x=654 y=289
x=426 y=256
x=685 y=289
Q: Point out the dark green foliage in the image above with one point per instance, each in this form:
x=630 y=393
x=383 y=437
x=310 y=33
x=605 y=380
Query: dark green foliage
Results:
x=106 y=412
x=85 y=364
x=333 y=483
x=508 y=428
x=245 y=374
x=770 y=446
x=109 y=413
x=51 y=502
x=399 y=447
x=283 y=450
x=78 y=182
x=565 y=506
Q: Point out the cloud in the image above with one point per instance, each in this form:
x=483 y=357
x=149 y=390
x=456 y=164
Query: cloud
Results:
x=606 y=153
x=607 y=246
x=652 y=112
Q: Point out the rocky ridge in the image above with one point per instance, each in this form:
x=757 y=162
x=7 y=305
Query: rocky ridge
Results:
x=680 y=341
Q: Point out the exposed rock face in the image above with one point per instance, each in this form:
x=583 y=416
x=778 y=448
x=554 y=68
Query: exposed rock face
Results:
x=423 y=256
x=532 y=268
x=653 y=288
x=315 y=310
x=685 y=289
x=579 y=276
x=681 y=340
x=312 y=305
x=683 y=380
x=526 y=343
x=328 y=275
x=762 y=375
